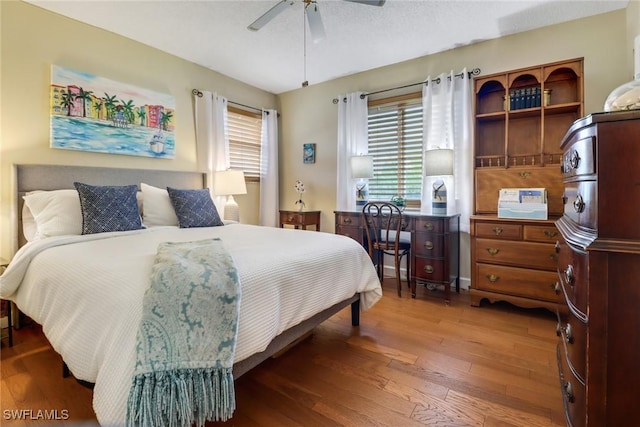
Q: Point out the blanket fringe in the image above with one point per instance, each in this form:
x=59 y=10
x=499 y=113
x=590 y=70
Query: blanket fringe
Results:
x=181 y=398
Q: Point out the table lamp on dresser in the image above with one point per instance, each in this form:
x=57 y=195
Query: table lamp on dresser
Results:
x=438 y=164
x=362 y=170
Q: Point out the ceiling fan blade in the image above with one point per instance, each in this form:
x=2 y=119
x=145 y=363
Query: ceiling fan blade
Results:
x=315 y=22
x=269 y=15
x=369 y=2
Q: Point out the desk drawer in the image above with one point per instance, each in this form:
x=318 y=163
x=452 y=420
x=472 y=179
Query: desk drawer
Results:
x=573 y=392
x=522 y=282
x=433 y=225
x=355 y=233
x=522 y=254
x=572 y=274
x=349 y=219
x=428 y=269
x=541 y=233
x=580 y=202
x=429 y=245
x=573 y=337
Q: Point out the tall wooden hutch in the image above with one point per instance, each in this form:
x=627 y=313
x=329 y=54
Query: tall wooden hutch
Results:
x=520 y=118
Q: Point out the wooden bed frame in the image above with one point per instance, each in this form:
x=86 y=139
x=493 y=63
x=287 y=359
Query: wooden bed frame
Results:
x=56 y=177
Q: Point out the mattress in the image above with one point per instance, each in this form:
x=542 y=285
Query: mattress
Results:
x=87 y=291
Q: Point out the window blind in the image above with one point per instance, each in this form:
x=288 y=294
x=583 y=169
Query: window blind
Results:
x=245 y=130
x=395 y=142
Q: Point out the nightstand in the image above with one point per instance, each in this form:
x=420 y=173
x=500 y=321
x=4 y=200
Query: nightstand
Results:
x=300 y=219
x=5 y=307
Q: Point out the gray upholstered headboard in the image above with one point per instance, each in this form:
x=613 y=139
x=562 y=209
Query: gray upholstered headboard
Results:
x=56 y=177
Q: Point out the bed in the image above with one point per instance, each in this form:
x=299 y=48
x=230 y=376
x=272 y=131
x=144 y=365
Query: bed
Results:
x=86 y=290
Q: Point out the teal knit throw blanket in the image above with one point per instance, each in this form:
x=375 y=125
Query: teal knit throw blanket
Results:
x=186 y=339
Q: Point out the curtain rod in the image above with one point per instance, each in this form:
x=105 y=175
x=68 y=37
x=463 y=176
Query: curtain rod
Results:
x=473 y=72
x=199 y=94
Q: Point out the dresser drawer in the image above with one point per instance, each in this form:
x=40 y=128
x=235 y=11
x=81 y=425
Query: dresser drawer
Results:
x=522 y=254
x=573 y=392
x=580 y=202
x=493 y=230
x=354 y=220
x=541 y=233
x=579 y=158
x=572 y=275
x=428 y=269
x=573 y=337
x=429 y=245
x=522 y=282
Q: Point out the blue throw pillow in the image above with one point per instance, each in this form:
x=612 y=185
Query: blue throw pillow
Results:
x=108 y=208
x=194 y=208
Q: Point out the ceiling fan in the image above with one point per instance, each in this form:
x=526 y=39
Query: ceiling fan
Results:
x=316 y=28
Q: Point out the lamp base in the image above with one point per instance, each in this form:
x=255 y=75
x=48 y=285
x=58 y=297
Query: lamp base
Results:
x=362 y=193
x=231 y=209
x=439 y=199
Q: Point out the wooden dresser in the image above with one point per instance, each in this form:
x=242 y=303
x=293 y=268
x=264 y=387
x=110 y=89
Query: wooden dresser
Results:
x=598 y=269
x=517 y=145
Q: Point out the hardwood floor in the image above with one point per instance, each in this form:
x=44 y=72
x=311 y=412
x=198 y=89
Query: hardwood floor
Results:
x=411 y=362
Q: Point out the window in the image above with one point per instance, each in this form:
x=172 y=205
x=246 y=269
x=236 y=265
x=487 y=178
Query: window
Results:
x=395 y=142
x=245 y=130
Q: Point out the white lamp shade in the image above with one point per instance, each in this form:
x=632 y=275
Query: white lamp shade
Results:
x=362 y=167
x=438 y=162
x=229 y=182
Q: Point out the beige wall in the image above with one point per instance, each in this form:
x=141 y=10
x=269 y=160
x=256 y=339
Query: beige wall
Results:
x=308 y=115
x=33 y=39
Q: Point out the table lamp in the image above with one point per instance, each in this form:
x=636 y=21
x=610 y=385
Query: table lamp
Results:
x=439 y=163
x=362 y=170
x=227 y=183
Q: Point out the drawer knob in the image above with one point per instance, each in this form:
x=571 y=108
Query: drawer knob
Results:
x=568 y=334
x=428 y=226
x=578 y=204
x=493 y=278
x=493 y=251
x=290 y=219
x=568 y=392
x=550 y=233
x=568 y=275
x=497 y=231
x=428 y=269
x=525 y=175
x=428 y=244
x=557 y=247
x=574 y=161
x=556 y=288
x=347 y=220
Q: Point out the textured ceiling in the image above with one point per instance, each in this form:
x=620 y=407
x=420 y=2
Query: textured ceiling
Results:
x=213 y=33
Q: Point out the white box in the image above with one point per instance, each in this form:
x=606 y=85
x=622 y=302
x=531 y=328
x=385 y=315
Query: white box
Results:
x=523 y=203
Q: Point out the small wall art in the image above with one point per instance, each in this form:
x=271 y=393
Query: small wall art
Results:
x=92 y=113
x=309 y=153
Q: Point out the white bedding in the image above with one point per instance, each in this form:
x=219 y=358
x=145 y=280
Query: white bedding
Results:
x=87 y=292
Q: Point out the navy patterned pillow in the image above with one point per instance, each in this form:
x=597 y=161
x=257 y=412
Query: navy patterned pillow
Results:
x=194 y=208
x=108 y=208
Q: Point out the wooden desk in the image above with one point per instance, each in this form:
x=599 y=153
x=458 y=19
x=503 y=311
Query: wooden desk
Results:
x=435 y=246
x=300 y=219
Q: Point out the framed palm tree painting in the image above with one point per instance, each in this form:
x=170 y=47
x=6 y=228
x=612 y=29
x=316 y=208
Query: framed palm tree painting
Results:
x=92 y=113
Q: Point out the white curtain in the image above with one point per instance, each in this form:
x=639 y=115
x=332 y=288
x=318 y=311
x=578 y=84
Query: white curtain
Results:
x=447 y=121
x=212 y=138
x=269 y=169
x=352 y=141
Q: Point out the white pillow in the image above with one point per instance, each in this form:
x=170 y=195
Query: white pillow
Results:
x=56 y=213
x=156 y=207
x=29 y=226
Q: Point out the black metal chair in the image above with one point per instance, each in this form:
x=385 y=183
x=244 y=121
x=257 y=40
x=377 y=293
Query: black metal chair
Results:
x=383 y=225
